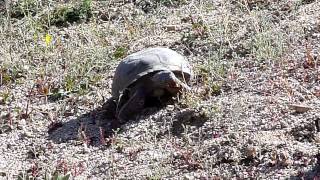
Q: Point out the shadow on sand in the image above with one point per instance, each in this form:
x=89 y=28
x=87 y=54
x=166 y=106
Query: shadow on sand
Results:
x=91 y=127
x=94 y=126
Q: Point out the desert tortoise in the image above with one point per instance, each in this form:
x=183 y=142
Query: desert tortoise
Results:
x=148 y=73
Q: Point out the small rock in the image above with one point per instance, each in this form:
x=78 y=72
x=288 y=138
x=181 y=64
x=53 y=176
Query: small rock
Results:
x=3 y=174
x=28 y=134
x=188 y=177
x=170 y=107
x=171 y=27
x=22 y=124
x=317 y=137
x=251 y=151
x=317 y=124
x=300 y=108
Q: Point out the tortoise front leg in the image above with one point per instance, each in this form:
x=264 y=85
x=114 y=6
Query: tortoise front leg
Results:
x=134 y=106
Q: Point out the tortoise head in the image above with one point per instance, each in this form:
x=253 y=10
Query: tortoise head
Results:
x=167 y=80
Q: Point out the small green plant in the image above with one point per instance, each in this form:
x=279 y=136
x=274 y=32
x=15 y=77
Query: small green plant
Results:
x=95 y=79
x=83 y=87
x=64 y=15
x=268 y=46
x=215 y=88
x=75 y=85
x=5 y=97
x=57 y=176
x=70 y=83
x=5 y=78
x=85 y=7
x=120 y=52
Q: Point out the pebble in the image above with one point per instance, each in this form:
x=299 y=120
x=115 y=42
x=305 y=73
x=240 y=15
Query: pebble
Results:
x=28 y=134
x=317 y=137
x=170 y=107
x=251 y=151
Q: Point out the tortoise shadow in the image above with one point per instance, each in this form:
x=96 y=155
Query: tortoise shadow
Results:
x=92 y=127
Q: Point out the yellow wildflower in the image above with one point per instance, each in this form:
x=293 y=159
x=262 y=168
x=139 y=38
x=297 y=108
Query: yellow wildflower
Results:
x=48 y=39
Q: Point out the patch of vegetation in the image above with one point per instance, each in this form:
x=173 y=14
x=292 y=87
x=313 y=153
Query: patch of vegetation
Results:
x=73 y=84
x=155 y=177
x=9 y=75
x=268 y=46
x=24 y=8
x=171 y=2
x=54 y=176
x=209 y=79
x=70 y=83
x=66 y=15
x=149 y=6
x=268 y=42
x=120 y=52
x=5 y=97
x=257 y=4
x=57 y=176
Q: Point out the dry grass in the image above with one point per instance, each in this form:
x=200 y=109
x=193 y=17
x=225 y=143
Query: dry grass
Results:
x=256 y=62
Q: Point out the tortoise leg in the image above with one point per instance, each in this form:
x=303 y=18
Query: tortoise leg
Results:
x=110 y=107
x=133 y=106
x=123 y=98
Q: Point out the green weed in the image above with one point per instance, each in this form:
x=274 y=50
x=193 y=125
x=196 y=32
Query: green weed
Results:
x=120 y=52
x=57 y=176
x=5 y=97
x=10 y=75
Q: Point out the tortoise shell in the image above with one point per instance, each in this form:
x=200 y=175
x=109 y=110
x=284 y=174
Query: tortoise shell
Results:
x=148 y=61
